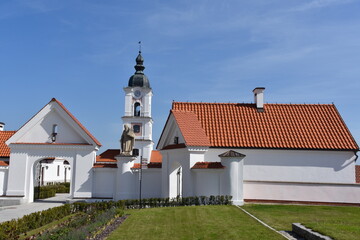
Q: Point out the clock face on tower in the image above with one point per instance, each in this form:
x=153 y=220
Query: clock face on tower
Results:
x=137 y=94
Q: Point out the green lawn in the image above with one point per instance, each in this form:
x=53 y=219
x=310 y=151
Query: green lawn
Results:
x=336 y=222
x=200 y=222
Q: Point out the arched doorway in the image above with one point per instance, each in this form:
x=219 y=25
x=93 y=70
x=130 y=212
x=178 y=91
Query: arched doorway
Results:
x=52 y=173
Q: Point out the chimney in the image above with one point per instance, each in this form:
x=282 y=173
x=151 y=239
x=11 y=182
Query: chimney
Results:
x=259 y=98
x=2 y=126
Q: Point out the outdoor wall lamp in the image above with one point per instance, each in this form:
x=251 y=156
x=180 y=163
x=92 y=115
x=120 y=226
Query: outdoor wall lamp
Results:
x=54 y=133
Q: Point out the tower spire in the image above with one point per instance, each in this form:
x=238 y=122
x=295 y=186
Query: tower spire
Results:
x=139 y=67
x=139 y=79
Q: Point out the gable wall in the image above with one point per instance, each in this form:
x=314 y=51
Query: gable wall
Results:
x=41 y=132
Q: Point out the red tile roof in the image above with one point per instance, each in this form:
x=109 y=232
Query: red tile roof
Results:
x=4 y=163
x=136 y=166
x=208 y=165
x=4 y=149
x=190 y=128
x=108 y=156
x=231 y=154
x=149 y=165
x=105 y=165
x=77 y=121
x=280 y=126
x=156 y=157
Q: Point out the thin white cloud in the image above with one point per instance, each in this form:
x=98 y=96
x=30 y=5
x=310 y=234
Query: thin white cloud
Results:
x=320 y=4
x=41 y=5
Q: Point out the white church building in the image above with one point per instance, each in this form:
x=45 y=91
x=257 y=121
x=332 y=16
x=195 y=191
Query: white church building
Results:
x=254 y=152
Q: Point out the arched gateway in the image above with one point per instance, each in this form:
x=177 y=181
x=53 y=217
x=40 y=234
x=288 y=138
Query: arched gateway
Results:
x=53 y=133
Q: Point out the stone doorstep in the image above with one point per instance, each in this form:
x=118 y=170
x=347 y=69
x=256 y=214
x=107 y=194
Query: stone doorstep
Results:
x=307 y=233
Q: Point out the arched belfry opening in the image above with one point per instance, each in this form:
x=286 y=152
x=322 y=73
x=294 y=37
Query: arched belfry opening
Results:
x=137 y=109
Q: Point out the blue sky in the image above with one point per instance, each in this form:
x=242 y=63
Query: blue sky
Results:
x=83 y=53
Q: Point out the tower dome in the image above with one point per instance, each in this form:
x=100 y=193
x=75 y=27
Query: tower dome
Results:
x=139 y=79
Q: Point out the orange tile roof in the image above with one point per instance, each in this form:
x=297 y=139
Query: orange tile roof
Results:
x=4 y=163
x=280 y=126
x=106 y=165
x=108 y=156
x=77 y=121
x=149 y=165
x=190 y=128
x=208 y=165
x=136 y=166
x=156 y=157
x=4 y=149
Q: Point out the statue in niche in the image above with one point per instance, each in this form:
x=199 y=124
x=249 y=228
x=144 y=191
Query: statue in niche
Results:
x=127 y=141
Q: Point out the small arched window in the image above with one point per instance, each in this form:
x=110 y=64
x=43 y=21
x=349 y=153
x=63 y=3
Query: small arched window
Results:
x=137 y=109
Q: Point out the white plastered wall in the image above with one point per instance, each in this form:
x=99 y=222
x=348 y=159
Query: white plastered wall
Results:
x=308 y=192
x=171 y=161
x=294 y=165
x=23 y=162
x=104 y=182
x=151 y=183
x=55 y=172
x=3 y=179
x=208 y=182
x=41 y=132
x=183 y=158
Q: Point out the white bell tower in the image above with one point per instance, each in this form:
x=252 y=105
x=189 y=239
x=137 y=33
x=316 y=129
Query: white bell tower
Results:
x=138 y=96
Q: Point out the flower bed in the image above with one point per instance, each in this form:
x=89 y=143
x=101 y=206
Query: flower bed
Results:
x=91 y=213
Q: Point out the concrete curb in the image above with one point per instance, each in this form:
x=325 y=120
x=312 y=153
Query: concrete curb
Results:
x=307 y=233
x=278 y=232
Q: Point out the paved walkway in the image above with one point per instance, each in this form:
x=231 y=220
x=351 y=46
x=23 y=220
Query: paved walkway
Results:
x=17 y=211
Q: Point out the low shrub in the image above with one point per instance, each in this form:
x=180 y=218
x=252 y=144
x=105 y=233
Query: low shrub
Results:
x=174 y=202
x=12 y=229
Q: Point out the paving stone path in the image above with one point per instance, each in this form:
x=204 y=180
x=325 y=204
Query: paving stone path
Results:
x=8 y=213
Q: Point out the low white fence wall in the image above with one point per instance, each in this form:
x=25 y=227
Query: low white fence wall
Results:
x=303 y=192
x=104 y=182
x=151 y=183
